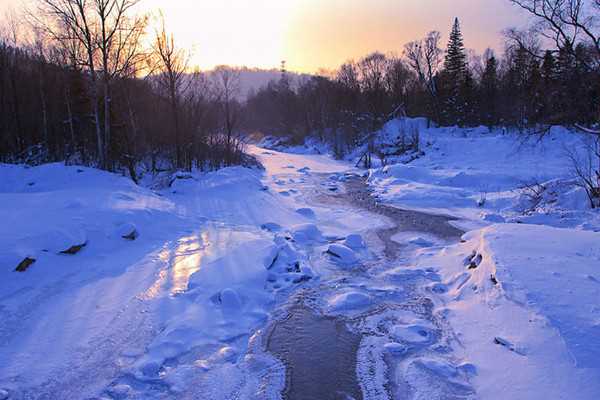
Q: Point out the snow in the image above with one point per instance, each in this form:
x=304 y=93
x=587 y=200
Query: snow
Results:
x=354 y=241
x=349 y=300
x=517 y=292
x=342 y=254
x=482 y=177
x=535 y=315
x=173 y=293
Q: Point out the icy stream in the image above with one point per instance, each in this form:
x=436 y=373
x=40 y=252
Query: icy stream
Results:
x=321 y=352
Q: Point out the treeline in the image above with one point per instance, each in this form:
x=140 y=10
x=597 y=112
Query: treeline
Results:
x=81 y=86
x=527 y=88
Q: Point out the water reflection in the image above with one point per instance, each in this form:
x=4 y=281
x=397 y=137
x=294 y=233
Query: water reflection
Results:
x=187 y=260
x=181 y=260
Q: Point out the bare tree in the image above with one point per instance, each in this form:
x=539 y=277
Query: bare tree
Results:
x=424 y=57
x=585 y=162
x=565 y=22
x=112 y=44
x=172 y=67
x=227 y=84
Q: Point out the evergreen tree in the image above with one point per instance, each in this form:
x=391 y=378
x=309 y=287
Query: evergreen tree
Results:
x=455 y=63
x=453 y=78
x=489 y=93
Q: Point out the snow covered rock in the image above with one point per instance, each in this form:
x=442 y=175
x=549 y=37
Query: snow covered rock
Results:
x=271 y=227
x=120 y=391
x=349 y=300
x=412 y=334
x=355 y=242
x=4 y=394
x=230 y=300
x=396 y=349
x=307 y=233
x=342 y=254
x=56 y=241
x=494 y=218
x=128 y=231
x=306 y=212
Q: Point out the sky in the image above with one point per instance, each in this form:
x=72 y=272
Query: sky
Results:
x=315 y=34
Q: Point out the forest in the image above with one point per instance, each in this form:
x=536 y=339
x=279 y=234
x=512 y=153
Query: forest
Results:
x=98 y=84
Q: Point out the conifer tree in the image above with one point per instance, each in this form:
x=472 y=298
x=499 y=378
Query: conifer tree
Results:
x=455 y=63
x=453 y=77
x=489 y=92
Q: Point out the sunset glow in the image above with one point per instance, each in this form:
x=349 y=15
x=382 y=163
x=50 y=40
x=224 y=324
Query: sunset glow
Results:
x=313 y=34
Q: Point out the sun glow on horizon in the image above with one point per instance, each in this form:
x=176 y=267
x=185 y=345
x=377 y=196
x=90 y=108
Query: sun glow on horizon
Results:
x=230 y=32
x=318 y=34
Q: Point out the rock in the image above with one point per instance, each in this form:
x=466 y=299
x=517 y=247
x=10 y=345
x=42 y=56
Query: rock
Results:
x=131 y=236
x=22 y=267
x=227 y=354
x=355 y=242
x=509 y=345
x=59 y=241
x=128 y=231
x=342 y=254
x=74 y=249
x=120 y=391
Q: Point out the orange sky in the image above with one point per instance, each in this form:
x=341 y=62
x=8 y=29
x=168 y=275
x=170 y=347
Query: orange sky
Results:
x=313 y=34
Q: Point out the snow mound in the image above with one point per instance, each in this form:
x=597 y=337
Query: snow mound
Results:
x=354 y=241
x=307 y=233
x=306 y=212
x=342 y=254
x=349 y=300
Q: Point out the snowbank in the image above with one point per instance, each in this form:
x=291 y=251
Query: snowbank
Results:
x=520 y=299
x=485 y=176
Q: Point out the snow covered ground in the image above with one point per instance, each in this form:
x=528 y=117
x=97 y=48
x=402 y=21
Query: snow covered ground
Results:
x=486 y=177
x=522 y=291
x=142 y=294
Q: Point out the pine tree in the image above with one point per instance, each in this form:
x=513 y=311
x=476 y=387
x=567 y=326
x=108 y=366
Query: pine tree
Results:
x=489 y=92
x=455 y=63
x=453 y=78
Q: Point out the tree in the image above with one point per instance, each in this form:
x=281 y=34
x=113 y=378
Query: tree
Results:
x=424 y=57
x=171 y=65
x=228 y=87
x=455 y=63
x=489 y=92
x=453 y=77
x=565 y=22
x=110 y=40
